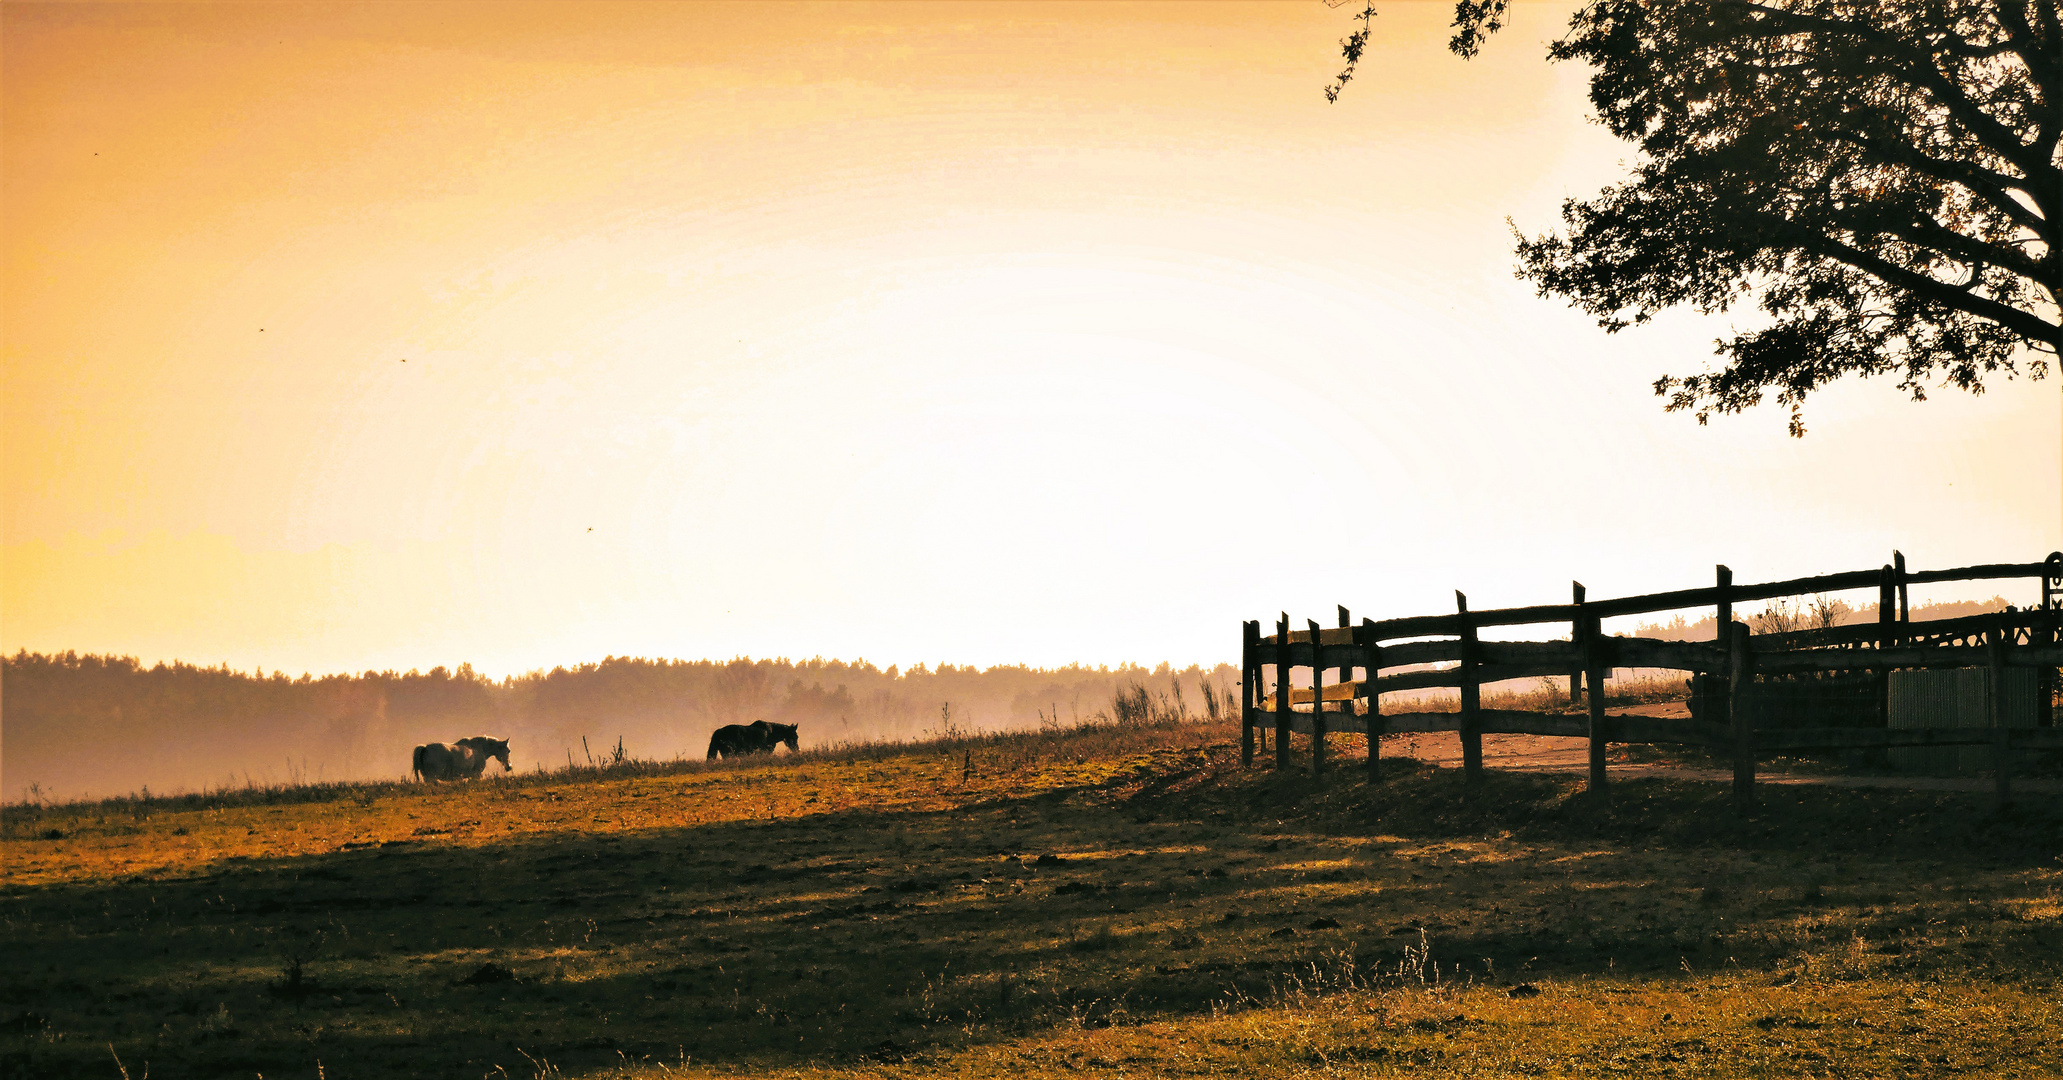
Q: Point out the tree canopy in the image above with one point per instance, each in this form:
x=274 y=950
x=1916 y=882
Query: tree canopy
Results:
x=1880 y=177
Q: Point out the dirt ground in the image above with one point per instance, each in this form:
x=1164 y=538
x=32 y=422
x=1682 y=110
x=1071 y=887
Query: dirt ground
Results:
x=1557 y=753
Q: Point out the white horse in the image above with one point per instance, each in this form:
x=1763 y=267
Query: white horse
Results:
x=463 y=760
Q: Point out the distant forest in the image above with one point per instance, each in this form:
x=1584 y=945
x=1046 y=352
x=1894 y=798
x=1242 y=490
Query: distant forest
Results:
x=107 y=725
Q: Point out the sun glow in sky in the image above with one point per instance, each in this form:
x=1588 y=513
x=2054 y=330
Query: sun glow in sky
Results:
x=363 y=336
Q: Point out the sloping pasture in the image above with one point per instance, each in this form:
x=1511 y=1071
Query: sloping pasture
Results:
x=1111 y=901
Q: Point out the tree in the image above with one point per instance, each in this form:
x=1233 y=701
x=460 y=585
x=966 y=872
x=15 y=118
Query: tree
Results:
x=1880 y=177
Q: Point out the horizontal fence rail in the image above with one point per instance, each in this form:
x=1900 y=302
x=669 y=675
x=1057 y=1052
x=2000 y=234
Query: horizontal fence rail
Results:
x=1375 y=657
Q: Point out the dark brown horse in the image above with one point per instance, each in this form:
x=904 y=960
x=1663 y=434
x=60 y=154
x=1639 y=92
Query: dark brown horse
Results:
x=465 y=759
x=758 y=737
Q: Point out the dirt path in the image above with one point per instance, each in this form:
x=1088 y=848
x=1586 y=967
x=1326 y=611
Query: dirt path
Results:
x=1557 y=753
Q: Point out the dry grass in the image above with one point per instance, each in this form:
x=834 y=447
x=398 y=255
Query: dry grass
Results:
x=1117 y=901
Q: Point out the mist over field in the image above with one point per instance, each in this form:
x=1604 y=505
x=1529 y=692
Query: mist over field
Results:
x=92 y=726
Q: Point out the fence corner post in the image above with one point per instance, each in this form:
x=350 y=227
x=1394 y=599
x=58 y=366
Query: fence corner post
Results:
x=1741 y=668
x=1471 y=696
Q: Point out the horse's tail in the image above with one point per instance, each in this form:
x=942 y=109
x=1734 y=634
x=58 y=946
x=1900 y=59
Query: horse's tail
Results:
x=714 y=751
x=416 y=762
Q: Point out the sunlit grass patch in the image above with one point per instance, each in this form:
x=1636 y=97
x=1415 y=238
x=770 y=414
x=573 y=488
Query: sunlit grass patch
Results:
x=989 y=907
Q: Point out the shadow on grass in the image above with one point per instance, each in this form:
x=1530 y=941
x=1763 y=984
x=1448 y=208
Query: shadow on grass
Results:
x=846 y=936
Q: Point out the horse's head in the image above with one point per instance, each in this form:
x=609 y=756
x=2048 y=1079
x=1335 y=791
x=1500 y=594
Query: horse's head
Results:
x=492 y=748
x=784 y=733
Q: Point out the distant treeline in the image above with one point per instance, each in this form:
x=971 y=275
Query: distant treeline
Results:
x=101 y=725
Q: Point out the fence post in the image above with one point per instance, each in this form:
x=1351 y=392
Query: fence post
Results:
x=1282 y=692
x=1576 y=627
x=1905 y=606
x=1347 y=673
x=1471 y=696
x=1741 y=667
x=1373 y=656
x=2052 y=602
x=1594 y=647
x=1317 y=702
x=1722 y=636
x=1887 y=635
x=1347 y=669
x=1249 y=688
x=1995 y=694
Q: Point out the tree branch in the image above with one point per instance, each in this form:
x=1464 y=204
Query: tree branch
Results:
x=2024 y=323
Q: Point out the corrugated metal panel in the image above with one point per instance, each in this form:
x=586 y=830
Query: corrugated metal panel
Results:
x=1954 y=697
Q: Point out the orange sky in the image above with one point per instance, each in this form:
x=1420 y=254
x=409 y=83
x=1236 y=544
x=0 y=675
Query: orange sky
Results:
x=348 y=336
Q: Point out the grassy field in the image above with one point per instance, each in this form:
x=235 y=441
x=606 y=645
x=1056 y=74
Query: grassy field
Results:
x=1108 y=902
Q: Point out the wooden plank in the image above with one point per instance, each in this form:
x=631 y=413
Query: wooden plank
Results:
x=1449 y=625
x=1673 y=600
x=1300 y=654
x=1418 y=680
x=1421 y=722
x=1523 y=616
x=1985 y=572
x=1520 y=722
x=1346 y=691
x=1326 y=636
x=1560 y=655
x=1451 y=677
x=1471 y=695
x=1421 y=652
x=1650 y=653
x=1417 y=626
x=1448 y=678
x=1915 y=656
x=1335 y=723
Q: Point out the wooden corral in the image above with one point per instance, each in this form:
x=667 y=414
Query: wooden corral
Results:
x=1732 y=665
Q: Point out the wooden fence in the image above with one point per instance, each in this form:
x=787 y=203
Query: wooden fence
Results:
x=1360 y=654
